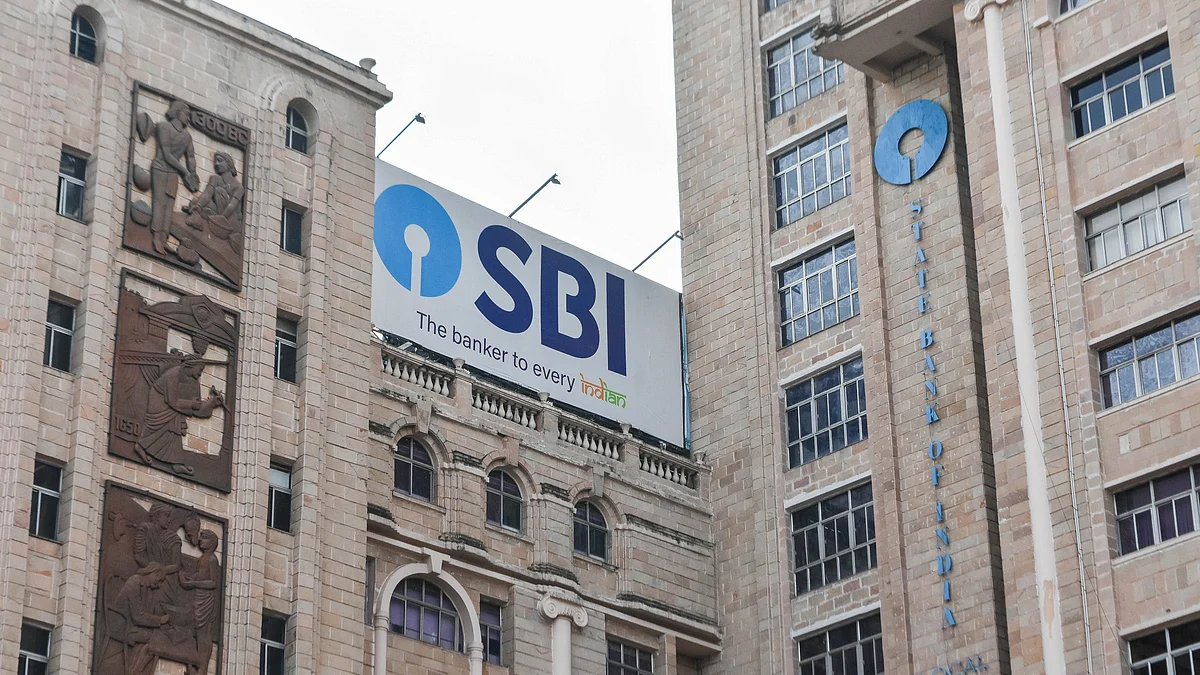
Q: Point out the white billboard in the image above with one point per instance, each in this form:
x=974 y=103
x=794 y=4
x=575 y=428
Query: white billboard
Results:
x=465 y=281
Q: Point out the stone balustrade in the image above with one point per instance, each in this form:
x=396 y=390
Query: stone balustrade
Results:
x=582 y=434
x=503 y=405
x=417 y=371
x=669 y=467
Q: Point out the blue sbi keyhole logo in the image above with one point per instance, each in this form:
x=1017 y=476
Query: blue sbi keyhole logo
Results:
x=924 y=115
x=417 y=241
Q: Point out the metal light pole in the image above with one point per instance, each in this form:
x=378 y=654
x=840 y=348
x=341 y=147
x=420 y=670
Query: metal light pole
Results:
x=551 y=179
x=416 y=118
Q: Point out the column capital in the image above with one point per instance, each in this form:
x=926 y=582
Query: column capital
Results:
x=974 y=8
x=557 y=603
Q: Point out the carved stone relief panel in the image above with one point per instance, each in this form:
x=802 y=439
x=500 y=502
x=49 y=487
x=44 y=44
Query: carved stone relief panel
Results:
x=161 y=589
x=186 y=187
x=173 y=382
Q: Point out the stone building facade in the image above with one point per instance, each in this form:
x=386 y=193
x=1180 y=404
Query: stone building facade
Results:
x=1021 y=305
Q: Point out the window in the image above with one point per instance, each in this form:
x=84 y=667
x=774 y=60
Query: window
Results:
x=826 y=413
x=279 y=498
x=72 y=185
x=491 y=630
x=1150 y=361
x=591 y=531
x=60 y=333
x=1128 y=87
x=35 y=650
x=812 y=176
x=856 y=647
x=290 y=228
x=297 y=130
x=503 y=500
x=818 y=292
x=271 y=659
x=287 y=334
x=796 y=74
x=1174 y=651
x=83 y=38
x=626 y=659
x=421 y=611
x=833 y=539
x=1160 y=510
x=414 y=469
x=1138 y=223
x=47 y=492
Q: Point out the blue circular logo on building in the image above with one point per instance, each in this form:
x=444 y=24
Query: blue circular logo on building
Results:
x=417 y=240
x=922 y=114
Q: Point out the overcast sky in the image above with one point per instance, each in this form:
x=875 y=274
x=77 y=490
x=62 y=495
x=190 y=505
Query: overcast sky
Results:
x=515 y=91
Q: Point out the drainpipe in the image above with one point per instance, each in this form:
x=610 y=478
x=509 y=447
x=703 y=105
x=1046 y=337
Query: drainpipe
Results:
x=1045 y=565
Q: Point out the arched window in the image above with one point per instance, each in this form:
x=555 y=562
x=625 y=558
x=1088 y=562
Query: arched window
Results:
x=297 y=130
x=422 y=611
x=504 y=500
x=414 y=469
x=83 y=38
x=591 y=531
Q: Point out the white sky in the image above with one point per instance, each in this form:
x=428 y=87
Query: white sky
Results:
x=514 y=91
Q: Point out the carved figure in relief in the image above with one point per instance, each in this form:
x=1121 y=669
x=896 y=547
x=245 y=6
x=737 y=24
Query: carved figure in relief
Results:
x=205 y=580
x=174 y=158
x=174 y=397
x=213 y=225
x=134 y=619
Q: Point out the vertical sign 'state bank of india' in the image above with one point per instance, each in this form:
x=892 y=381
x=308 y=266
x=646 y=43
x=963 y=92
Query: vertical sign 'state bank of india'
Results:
x=470 y=283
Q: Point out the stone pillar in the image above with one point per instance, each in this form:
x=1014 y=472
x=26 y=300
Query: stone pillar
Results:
x=561 y=609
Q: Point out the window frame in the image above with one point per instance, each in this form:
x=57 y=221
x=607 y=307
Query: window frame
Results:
x=803 y=393
x=57 y=334
x=834 y=139
x=492 y=635
x=285 y=228
x=445 y=608
x=1120 y=223
x=821 y=530
x=286 y=339
x=591 y=530
x=824 y=67
x=411 y=460
x=41 y=495
x=1108 y=91
x=1170 y=654
x=78 y=37
x=843 y=254
x=1179 y=348
x=1155 y=508
x=68 y=180
x=624 y=650
x=276 y=512
x=875 y=639
x=27 y=656
x=294 y=131
x=269 y=645
x=504 y=497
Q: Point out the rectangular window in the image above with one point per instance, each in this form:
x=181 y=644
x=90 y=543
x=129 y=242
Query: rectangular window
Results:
x=826 y=413
x=291 y=223
x=772 y=4
x=274 y=645
x=287 y=336
x=1121 y=90
x=47 y=493
x=1174 y=651
x=35 y=650
x=1149 y=361
x=833 y=539
x=60 y=333
x=72 y=185
x=856 y=647
x=818 y=292
x=1138 y=223
x=1068 y=5
x=626 y=659
x=1158 y=511
x=795 y=73
x=491 y=630
x=812 y=176
x=279 y=498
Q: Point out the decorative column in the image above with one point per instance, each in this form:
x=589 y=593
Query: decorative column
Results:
x=1041 y=526
x=562 y=609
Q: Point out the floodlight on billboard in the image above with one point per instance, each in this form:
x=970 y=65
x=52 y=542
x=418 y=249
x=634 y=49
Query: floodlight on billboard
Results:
x=470 y=283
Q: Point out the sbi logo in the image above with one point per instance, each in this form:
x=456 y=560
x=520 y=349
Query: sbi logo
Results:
x=930 y=119
x=420 y=247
